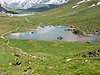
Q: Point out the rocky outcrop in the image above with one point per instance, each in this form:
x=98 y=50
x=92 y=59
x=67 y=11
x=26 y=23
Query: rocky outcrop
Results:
x=92 y=54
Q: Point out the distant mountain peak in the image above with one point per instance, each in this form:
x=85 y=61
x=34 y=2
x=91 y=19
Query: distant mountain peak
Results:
x=24 y=4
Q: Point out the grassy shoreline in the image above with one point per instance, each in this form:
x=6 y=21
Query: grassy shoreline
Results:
x=28 y=57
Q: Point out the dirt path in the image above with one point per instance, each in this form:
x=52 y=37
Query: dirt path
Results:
x=7 y=43
x=20 y=50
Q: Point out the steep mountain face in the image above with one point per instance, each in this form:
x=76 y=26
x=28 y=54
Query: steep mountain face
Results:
x=2 y=9
x=25 y=4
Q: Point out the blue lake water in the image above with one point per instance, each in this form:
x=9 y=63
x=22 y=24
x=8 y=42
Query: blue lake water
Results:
x=51 y=33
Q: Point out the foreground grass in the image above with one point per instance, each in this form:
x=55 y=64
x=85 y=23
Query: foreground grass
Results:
x=49 y=58
x=56 y=48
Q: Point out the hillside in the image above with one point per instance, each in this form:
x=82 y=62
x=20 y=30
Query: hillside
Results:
x=83 y=16
x=31 y=57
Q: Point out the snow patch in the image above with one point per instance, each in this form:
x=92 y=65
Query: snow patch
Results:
x=98 y=3
x=88 y=0
x=91 y=6
x=75 y=6
x=94 y=5
x=83 y=1
x=56 y=2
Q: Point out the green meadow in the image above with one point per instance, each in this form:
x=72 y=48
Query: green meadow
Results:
x=28 y=57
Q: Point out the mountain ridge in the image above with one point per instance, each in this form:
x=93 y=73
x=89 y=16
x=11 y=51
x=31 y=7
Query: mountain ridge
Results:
x=4 y=10
x=29 y=3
